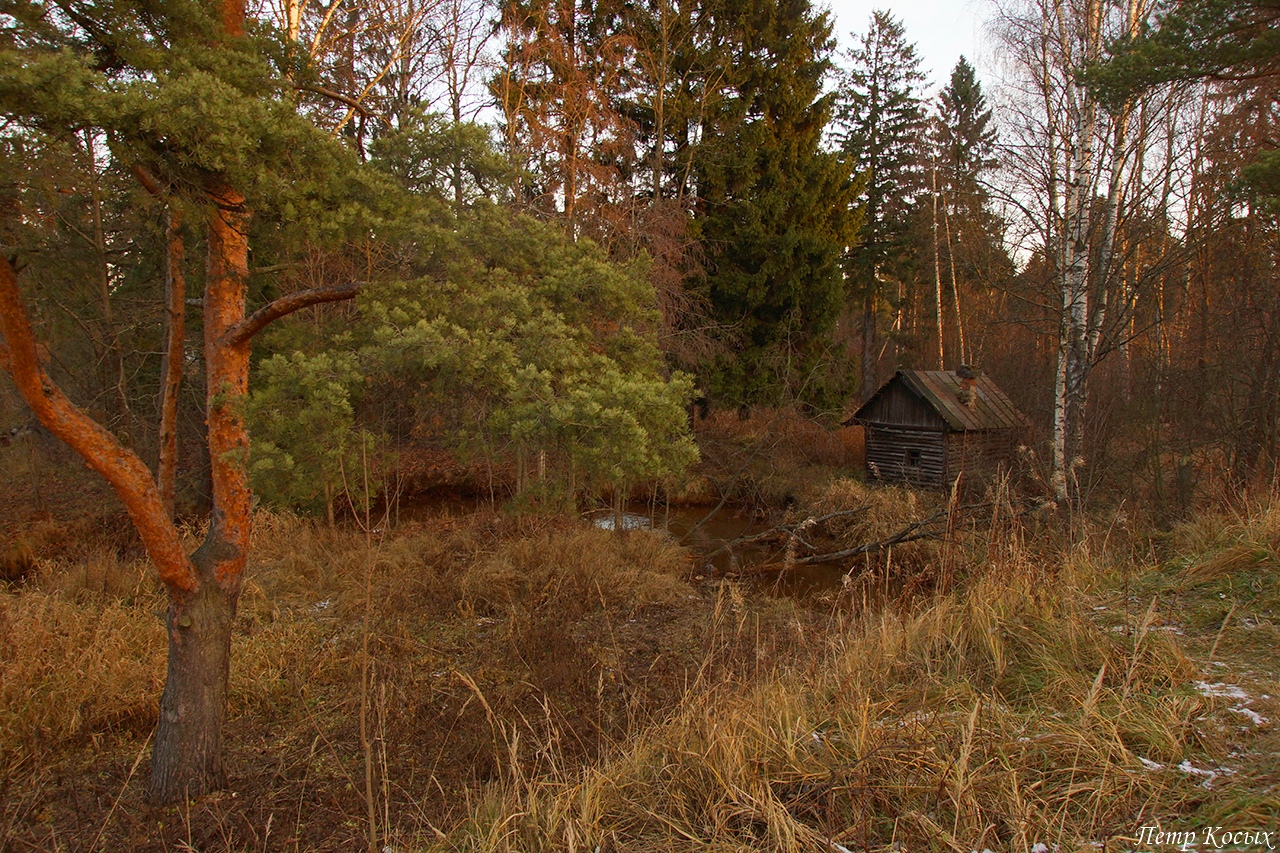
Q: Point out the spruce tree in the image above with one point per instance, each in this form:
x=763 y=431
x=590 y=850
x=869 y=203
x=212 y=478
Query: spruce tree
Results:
x=880 y=128
x=971 y=251
x=966 y=139
x=775 y=210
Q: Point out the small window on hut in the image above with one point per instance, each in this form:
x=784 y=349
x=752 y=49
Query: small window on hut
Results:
x=913 y=458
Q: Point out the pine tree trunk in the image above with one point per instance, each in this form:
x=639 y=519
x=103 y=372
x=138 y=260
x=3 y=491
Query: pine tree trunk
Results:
x=172 y=363
x=203 y=588
x=187 y=758
x=955 y=288
x=937 y=275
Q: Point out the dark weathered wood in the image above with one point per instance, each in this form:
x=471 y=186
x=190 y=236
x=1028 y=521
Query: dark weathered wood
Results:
x=897 y=405
x=927 y=429
x=979 y=456
x=913 y=456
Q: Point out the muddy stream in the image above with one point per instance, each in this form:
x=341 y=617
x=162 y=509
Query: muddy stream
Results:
x=756 y=565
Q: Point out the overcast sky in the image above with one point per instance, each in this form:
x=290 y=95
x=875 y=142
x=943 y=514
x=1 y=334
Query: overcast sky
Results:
x=942 y=31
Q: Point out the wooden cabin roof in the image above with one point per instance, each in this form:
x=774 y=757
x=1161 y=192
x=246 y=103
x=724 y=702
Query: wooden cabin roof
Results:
x=940 y=391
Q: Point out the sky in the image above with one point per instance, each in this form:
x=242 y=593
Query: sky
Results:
x=942 y=31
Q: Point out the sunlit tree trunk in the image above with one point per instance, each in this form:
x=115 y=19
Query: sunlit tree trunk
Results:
x=203 y=587
x=188 y=748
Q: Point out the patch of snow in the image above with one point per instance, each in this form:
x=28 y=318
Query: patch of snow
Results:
x=1219 y=688
x=1187 y=767
x=1153 y=766
x=630 y=521
x=1258 y=719
x=1209 y=775
x=1097 y=609
x=321 y=605
x=1040 y=847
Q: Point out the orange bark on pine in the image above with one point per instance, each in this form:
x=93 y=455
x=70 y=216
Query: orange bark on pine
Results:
x=233 y=14
x=227 y=366
x=127 y=474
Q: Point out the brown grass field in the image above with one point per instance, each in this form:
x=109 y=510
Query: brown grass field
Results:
x=534 y=684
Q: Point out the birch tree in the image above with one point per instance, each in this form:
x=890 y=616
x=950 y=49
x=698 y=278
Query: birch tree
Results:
x=1076 y=169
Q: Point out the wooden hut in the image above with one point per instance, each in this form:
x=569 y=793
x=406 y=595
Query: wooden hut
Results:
x=928 y=427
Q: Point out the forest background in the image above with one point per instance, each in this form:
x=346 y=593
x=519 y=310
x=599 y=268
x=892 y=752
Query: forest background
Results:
x=808 y=221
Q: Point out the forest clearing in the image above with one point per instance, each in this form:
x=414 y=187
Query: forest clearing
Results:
x=495 y=425
x=538 y=683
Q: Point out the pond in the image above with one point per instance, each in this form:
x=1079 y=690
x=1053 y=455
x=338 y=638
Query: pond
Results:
x=711 y=536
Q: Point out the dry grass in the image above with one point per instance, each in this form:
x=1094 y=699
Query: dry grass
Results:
x=1214 y=546
x=989 y=719
x=75 y=666
x=538 y=685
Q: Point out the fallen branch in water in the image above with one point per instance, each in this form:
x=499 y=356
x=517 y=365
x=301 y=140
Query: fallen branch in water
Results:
x=792 y=531
x=929 y=527
x=913 y=532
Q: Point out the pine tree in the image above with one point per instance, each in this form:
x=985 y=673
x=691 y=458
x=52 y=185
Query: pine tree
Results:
x=186 y=99
x=879 y=127
x=1232 y=42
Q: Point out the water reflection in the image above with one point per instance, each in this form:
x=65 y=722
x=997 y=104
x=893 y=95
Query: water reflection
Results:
x=758 y=564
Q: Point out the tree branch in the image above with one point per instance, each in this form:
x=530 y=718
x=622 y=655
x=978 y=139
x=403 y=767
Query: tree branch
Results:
x=791 y=530
x=103 y=452
x=337 y=96
x=243 y=332
x=148 y=181
x=913 y=532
